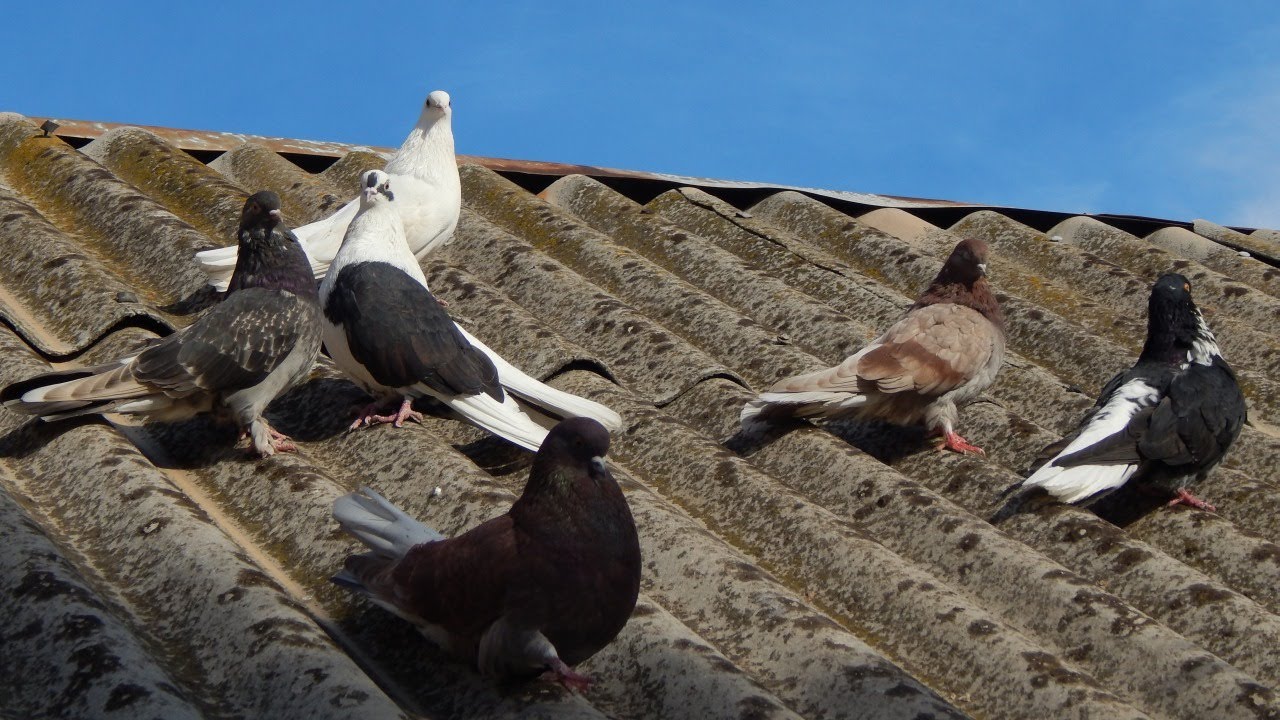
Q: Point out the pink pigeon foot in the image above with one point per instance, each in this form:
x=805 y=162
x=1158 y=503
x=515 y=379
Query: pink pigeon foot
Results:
x=1186 y=498
x=369 y=416
x=952 y=441
x=566 y=676
x=279 y=442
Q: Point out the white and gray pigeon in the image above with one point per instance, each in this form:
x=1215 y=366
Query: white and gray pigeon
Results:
x=428 y=194
x=239 y=356
x=385 y=329
x=1163 y=423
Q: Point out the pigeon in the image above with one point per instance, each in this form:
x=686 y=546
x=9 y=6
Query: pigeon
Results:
x=541 y=588
x=385 y=329
x=1166 y=421
x=425 y=172
x=944 y=353
x=261 y=340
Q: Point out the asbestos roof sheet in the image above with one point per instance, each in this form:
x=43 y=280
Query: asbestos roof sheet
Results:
x=842 y=571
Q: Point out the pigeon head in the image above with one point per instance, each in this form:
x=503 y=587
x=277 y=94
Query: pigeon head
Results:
x=967 y=263
x=261 y=210
x=963 y=280
x=1176 y=332
x=376 y=188
x=574 y=450
x=437 y=102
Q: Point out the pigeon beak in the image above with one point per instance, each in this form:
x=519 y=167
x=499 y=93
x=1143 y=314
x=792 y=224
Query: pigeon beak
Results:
x=274 y=213
x=597 y=463
x=983 y=268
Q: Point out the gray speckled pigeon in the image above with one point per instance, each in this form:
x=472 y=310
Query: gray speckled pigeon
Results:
x=261 y=340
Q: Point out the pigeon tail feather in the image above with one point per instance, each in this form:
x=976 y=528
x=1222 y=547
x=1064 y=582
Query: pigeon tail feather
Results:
x=380 y=525
x=105 y=388
x=813 y=403
x=1073 y=484
x=504 y=418
x=556 y=402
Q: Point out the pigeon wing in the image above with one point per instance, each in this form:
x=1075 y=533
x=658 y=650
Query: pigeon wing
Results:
x=397 y=330
x=932 y=351
x=460 y=584
x=1199 y=418
x=233 y=346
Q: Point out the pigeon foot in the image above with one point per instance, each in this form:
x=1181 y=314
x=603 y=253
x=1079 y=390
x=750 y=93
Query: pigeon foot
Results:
x=566 y=676
x=369 y=415
x=1185 y=497
x=276 y=442
x=952 y=441
x=281 y=442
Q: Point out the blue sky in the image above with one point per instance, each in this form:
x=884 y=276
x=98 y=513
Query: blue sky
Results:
x=1168 y=109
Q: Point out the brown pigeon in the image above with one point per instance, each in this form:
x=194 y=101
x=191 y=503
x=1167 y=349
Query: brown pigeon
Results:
x=238 y=357
x=944 y=353
x=541 y=588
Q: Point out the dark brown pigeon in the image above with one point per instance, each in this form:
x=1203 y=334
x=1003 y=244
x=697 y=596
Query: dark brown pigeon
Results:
x=1166 y=421
x=541 y=588
x=944 y=353
x=238 y=357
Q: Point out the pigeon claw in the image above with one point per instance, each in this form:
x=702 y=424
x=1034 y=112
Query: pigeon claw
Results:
x=281 y=442
x=369 y=416
x=952 y=441
x=1184 y=497
x=565 y=675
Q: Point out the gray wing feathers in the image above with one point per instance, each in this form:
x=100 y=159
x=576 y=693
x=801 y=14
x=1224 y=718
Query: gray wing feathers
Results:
x=234 y=346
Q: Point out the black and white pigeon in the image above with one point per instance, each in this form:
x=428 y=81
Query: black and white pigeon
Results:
x=538 y=589
x=1165 y=423
x=386 y=330
x=942 y=354
x=425 y=173
x=261 y=340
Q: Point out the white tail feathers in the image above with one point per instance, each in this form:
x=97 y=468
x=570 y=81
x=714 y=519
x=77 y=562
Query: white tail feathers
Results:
x=1073 y=484
x=555 y=402
x=505 y=418
x=380 y=525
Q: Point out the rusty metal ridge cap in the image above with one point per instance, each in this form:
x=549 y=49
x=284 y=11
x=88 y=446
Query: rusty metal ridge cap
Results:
x=218 y=141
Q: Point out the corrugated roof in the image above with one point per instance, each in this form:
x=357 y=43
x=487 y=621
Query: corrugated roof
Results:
x=842 y=571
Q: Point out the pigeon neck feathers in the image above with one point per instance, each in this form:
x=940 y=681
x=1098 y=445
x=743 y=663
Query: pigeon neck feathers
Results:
x=1176 y=331
x=569 y=484
x=963 y=281
x=427 y=153
x=376 y=234
x=270 y=257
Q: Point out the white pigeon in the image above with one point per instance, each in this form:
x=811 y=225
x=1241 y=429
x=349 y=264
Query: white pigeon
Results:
x=428 y=197
x=384 y=328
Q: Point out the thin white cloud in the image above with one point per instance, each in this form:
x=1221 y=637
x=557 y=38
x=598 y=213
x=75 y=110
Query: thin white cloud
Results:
x=1225 y=136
